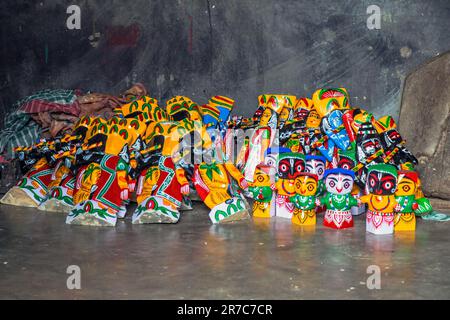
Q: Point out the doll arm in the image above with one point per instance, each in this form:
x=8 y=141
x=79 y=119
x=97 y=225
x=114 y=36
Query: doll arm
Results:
x=181 y=178
x=236 y=174
x=365 y=199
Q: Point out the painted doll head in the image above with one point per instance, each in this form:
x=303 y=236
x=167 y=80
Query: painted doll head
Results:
x=339 y=181
x=264 y=175
x=182 y=108
x=313 y=120
x=315 y=165
x=290 y=164
x=271 y=156
x=267 y=117
x=347 y=158
x=306 y=184
x=381 y=179
x=407 y=183
x=327 y=100
x=302 y=109
x=368 y=142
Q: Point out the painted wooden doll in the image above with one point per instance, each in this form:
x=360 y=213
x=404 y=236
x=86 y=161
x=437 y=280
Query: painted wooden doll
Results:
x=159 y=192
x=289 y=165
x=380 y=199
x=338 y=198
x=304 y=200
x=264 y=135
x=101 y=188
x=212 y=182
x=262 y=191
x=405 y=195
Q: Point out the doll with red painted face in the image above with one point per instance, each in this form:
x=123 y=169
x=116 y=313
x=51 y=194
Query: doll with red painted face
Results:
x=338 y=198
x=380 y=199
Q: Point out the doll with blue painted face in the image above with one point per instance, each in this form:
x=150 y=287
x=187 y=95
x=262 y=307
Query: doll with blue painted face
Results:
x=380 y=199
x=338 y=198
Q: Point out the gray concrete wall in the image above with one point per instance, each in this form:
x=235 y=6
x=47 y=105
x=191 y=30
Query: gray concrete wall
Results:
x=239 y=48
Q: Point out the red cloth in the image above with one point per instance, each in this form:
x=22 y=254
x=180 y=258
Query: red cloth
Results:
x=36 y=106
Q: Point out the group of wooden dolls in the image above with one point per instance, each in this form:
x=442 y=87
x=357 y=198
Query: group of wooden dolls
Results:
x=296 y=158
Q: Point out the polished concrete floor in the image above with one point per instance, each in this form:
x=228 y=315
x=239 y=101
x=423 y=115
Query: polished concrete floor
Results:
x=197 y=260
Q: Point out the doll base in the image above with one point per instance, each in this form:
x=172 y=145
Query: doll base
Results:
x=304 y=217
x=405 y=222
x=55 y=205
x=90 y=213
x=337 y=219
x=379 y=222
x=261 y=209
x=17 y=196
x=233 y=209
x=155 y=210
x=284 y=208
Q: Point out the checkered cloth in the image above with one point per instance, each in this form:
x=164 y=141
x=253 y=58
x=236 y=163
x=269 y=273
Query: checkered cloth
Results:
x=21 y=130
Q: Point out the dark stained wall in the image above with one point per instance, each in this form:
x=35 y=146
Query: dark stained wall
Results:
x=239 y=48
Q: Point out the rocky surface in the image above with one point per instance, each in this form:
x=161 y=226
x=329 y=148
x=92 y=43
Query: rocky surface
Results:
x=424 y=123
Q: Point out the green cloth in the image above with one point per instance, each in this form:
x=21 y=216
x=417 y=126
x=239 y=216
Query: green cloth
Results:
x=20 y=129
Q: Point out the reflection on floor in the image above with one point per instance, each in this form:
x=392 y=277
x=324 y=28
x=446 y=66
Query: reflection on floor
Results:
x=258 y=259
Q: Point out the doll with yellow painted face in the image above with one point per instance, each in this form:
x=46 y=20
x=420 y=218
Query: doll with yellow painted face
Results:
x=262 y=191
x=405 y=195
x=304 y=200
x=381 y=185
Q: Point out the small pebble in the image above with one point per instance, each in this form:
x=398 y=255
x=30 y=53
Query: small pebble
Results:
x=342 y=270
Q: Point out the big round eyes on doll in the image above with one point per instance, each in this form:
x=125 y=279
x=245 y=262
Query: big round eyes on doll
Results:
x=332 y=184
x=283 y=167
x=320 y=171
x=299 y=168
x=310 y=187
x=260 y=178
x=387 y=185
x=372 y=182
x=346 y=185
x=406 y=188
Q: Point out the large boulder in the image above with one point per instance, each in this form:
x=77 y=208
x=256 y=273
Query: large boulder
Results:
x=424 y=123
